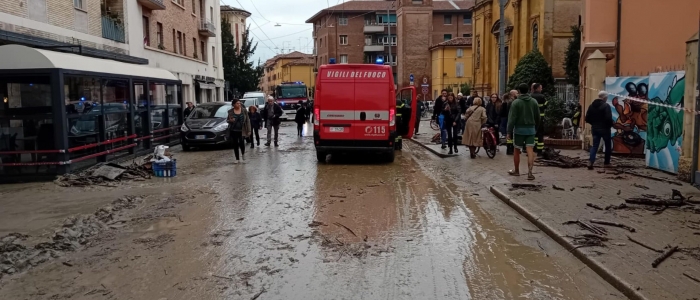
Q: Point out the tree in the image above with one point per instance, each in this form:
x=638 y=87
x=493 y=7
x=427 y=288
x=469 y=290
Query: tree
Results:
x=465 y=89
x=533 y=68
x=573 y=54
x=239 y=70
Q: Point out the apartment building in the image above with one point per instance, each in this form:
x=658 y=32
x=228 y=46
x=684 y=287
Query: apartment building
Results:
x=184 y=37
x=236 y=17
x=289 y=67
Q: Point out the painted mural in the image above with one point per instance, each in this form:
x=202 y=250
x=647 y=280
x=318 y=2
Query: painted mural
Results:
x=629 y=131
x=665 y=124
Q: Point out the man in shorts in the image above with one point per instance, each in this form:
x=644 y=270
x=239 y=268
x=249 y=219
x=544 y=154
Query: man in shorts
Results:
x=523 y=121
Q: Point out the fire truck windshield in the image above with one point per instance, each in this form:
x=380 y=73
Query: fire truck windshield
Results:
x=297 y=91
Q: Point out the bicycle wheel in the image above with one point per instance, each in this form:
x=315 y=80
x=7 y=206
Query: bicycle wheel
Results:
x=434 y=125
x=490 y=145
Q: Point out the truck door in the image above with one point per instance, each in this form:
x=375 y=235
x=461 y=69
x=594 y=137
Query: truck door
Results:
x=409 y=112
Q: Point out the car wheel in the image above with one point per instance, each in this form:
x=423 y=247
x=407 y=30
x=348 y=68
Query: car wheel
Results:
x=186 y=147
x=398 y=145
x=390 y=156
x=321 y=156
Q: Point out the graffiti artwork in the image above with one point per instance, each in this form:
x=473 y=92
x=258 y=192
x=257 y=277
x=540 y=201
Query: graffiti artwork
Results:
x=630 y=117
x=665 y=124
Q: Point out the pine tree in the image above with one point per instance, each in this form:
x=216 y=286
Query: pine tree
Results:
x=533 y=68
x=239 y=70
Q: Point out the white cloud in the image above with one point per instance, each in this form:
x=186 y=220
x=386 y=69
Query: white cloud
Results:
x=293 y=32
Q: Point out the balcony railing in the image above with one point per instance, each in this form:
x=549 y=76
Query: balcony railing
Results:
x=374 y=48
x=207 y=28
x=112 y=30
x=374 y=28
x=315 y=53
x=152 y=4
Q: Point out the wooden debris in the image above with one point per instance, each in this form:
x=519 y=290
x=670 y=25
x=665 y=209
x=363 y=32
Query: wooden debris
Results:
x=651 y=177
x=664 y=256
x=691 y=277
x=91 y=176
x=554 y=186
x=589 y=240
x=256 y=296
x=643 y=244
x=527 y=187
x=552 y=158
x=531 y=230
x=637 y=185
x=316 y=224
x=594 y=206
x=346 y=228
x=338 y=196
x=619 y=192
x=653 y=202
x=590 y=227
x=603 y=222
x=254 y=234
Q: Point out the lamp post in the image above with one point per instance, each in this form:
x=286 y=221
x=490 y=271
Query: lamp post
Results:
x=502 y=48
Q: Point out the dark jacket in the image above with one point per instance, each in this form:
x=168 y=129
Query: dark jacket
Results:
x=187 y=112
x=438 y=106
x=470 y=102
x=256 y=120
x=541 y=101
x=493 y=116
x=599 y=116
x=451 y=112
x=278 y=112
x=463 y=104
x=505 y=107
x=300 y=117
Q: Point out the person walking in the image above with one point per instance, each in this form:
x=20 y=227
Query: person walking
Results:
x=271 y=113
x=463 y=104
x=300 y=118
x=509 y=141
x=493 y=109
x=503 y=114
x=542 y=104
x=451 y=111
x=599 y=115
x=239 y=128
x=476 y=117
x=437 y=111
x=421 y=109
x=523 y=119
x=256 y=122
x=470 y=99
x=188 y=110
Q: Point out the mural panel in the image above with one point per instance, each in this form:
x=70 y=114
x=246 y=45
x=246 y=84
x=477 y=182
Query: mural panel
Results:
x=665 y=124
x=629 y=131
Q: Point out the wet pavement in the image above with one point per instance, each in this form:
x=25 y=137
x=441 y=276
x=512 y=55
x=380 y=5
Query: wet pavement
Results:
x=282 y=226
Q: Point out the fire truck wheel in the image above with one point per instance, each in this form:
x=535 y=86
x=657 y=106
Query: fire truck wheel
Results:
x=321 y=156
x=399 y=145
x=390 y=156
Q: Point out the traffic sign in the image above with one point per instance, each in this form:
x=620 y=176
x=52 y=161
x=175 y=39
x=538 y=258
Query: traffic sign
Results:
x=411 y=78
x=425 y=90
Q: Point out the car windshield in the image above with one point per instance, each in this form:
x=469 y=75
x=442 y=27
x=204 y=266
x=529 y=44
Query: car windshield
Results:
x=210 y=111
x=291 y=91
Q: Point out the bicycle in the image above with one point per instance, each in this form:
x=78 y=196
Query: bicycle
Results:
x=490 y=141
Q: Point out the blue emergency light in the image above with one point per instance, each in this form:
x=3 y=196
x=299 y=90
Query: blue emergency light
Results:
x=379 y=61
x=331 y=61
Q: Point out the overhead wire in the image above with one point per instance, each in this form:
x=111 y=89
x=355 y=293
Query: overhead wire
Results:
x=256 y=24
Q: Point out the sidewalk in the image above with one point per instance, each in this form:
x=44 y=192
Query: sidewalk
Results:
x=623 y=263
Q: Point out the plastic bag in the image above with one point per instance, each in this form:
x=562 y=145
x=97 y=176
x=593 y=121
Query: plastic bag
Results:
x=159 y=154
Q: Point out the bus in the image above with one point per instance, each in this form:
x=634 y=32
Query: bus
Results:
x=288 y=95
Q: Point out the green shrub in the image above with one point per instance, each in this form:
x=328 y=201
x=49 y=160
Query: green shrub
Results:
x=533 y=68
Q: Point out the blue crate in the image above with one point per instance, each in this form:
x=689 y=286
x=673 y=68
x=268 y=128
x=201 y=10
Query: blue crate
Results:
x=165 y=169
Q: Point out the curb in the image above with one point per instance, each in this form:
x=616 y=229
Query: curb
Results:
x=441 y=155
x=617 y=282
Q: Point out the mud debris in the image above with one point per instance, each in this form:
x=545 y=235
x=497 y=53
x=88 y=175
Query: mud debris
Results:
x=527 y=187
x=157 y=242
x=594 y=206
x=95 y=176
x=664 y=256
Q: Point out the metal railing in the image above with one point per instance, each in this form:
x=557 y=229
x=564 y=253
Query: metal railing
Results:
x=206 y=25
x=112 y=30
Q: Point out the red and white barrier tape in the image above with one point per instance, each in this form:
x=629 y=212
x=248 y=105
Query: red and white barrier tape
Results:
x=645 y=101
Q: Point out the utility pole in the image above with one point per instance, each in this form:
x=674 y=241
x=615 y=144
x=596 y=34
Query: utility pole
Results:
x=502 y=48
x=388 y=26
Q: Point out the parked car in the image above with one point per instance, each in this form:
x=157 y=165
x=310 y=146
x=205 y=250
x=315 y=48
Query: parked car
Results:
x=206 y=126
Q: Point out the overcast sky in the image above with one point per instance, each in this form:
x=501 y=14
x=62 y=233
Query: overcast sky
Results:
x=293 y=32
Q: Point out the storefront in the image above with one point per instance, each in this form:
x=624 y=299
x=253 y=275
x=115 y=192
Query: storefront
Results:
x=62 y=112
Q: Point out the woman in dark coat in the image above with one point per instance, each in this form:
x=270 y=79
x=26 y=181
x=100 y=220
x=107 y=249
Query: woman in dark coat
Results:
x=300 y=118
x=452 y=112
x=256 y=123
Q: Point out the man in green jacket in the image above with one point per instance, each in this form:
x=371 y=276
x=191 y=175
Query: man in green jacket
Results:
x=523 y=121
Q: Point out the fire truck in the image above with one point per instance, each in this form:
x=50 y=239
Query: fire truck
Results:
x=288 y=95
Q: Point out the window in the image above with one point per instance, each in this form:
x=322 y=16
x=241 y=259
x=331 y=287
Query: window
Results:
x=393 y=40
x=78 y=4
x=535 y=36
x=174 y=41
x=342 y=21
x=459 y=69
x=178 y=1
x=460 y=52
x=204 y=53
x=478 y=52
x=179 y=42
x=194 y=9
x=448 y=19
x=343 y=58
x=194 y=47
x=211 y=15
x=447 y=37
x=467 y=18
x=159 y=35
x=146 y=32
x=343 y=39
x=467 y=35
x=184 y=45
x=213 y=56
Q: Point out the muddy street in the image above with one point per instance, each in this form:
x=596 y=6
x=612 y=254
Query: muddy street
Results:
x=282 y=226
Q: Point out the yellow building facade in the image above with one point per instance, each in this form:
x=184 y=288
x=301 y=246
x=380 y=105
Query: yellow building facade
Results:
x=544 y=25
x=295 y=66
x=451 y=66
x=299 y=70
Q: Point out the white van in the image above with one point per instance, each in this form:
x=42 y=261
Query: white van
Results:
x=259 y=96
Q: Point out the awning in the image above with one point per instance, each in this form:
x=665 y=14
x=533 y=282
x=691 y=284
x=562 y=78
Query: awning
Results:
x=18 y=57
x=206 y=86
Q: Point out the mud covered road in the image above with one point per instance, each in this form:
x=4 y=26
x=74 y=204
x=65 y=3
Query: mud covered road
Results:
x=281 y=226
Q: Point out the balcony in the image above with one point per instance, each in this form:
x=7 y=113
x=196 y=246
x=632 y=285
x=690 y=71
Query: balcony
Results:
x=315 y=53
x=375 y=28
x=113 y=29
x=152 y=4
x=374 y=48
x=207 y=28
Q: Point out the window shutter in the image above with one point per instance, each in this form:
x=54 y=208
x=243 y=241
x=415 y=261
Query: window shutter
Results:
x=460 y=69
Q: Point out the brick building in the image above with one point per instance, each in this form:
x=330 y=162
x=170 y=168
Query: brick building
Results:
x=364 y=31
x=237 y=18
